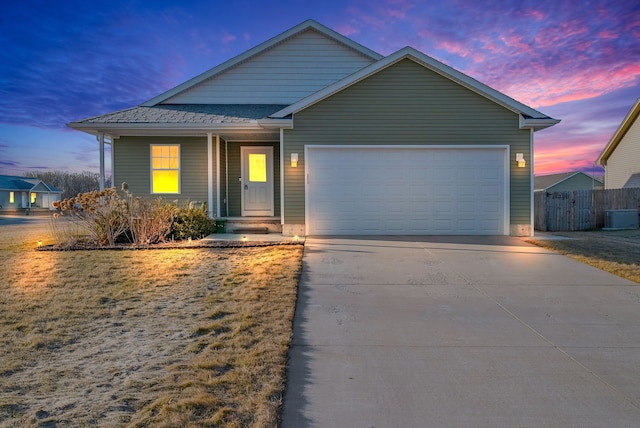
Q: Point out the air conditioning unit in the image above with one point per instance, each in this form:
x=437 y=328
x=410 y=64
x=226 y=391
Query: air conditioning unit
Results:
x=621 y=219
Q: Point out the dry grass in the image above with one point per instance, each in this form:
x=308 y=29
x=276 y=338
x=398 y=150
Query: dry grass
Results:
x=171 y=338
x=617 y=252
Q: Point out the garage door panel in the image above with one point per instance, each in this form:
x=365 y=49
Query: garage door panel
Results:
x=405 y=191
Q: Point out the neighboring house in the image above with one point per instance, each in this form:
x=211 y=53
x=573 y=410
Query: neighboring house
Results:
x=25 y=192
x=327 y=137
x=621 y=156
x=566 y=181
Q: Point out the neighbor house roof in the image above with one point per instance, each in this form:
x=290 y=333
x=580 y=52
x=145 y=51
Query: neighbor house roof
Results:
x=544 y=182
x=626 y=123
x=529 y=117
x=23 y=184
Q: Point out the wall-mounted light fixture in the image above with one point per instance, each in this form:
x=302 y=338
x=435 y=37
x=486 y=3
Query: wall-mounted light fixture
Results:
x=294 y=160
x=520 y=160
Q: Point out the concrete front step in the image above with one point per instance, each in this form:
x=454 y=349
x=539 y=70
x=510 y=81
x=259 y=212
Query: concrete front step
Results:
x=253 y=225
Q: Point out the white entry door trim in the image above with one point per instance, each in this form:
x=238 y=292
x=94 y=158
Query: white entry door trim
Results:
x=256 y=163
x=405 y=190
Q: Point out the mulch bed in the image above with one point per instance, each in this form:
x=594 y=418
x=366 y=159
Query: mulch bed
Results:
x=175 y=245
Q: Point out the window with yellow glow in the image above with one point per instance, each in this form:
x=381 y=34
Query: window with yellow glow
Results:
x=165 y=168
x=12 y=197
x=257 y=167
x=33 y=198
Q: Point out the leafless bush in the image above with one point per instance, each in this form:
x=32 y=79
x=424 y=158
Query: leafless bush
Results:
x=150 y=220
x=107 y=217
x=104 y=214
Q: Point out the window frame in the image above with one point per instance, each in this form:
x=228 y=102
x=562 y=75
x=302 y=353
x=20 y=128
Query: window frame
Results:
x=152 y=169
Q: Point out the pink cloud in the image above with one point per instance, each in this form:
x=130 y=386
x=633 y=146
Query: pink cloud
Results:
x=228 y=38
x=607 y=34
x=566 y=155
x=535 y=14
x=544 y=87
x=347 y=30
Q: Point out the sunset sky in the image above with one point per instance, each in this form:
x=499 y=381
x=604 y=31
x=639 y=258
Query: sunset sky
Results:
x=65 y=60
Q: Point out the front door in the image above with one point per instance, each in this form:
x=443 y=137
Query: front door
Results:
x=257 y=181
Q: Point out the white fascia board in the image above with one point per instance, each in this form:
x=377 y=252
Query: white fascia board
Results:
x=624 y=126
x=159 y=129
x=276 y=123
x=428 y=62
x=306 y=25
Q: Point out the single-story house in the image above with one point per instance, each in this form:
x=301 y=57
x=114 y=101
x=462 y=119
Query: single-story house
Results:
x=566 y=181
x=25 y=192
x=621 y=156
x=323 y=136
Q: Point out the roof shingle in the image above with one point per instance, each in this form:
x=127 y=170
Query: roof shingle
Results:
x=188 y=114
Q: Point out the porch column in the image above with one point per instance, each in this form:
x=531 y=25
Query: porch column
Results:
x=282 y=172
x=218 y=208
x=100 y=138
x=210 y=174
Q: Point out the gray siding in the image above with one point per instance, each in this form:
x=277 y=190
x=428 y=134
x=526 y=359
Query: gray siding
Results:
x=132 y=164
x=286 y=73
x=407 y=104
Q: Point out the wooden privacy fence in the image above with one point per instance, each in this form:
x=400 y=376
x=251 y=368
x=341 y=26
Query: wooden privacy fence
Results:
x=580 y=209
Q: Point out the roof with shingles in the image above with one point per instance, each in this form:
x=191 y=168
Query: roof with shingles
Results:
x=15 y=183
x=189 y=114
x=543 y=182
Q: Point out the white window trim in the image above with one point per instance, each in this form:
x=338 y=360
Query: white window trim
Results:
x=151 y=169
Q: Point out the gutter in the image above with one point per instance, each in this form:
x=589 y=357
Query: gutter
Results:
x=537 y=123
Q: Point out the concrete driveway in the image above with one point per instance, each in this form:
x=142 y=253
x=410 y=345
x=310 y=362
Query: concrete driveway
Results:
x=460 y=332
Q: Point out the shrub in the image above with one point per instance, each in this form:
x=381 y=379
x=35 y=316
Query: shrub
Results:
x=103 y=214
x=193 y=222
x=110 y=219
x=150 y=220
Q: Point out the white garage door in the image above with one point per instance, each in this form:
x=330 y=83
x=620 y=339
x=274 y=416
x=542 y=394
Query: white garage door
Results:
x=406 y=191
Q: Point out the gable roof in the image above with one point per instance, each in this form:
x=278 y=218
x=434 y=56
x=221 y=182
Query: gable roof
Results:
x=305 y=26
x=14 y=183
x=544 y=182
x=529 y=117
x=626 y=123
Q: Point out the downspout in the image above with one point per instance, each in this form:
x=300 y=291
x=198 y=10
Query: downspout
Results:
x=113 y=163
x=532 y=219
x=100 y=138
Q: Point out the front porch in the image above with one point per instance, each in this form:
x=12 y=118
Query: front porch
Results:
x=252 y=225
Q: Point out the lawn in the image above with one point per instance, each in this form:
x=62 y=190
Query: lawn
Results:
x=163 y=338
x=617 y=252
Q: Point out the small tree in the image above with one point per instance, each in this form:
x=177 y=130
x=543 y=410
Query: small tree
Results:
x=150 y=220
